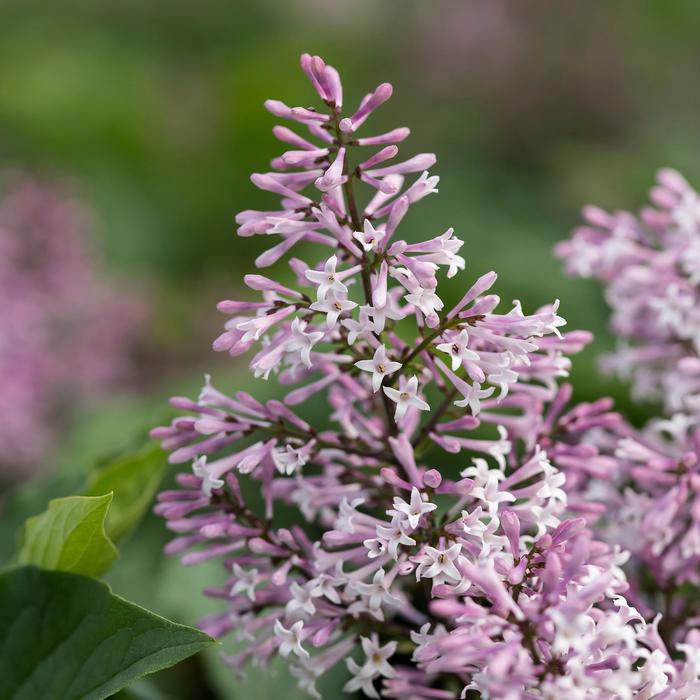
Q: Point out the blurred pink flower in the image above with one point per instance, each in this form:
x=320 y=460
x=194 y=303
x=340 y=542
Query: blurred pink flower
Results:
x=66 y=331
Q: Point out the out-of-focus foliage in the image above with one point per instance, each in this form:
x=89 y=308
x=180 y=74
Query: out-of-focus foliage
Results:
x=70 y=536
x=151 y=110
x=133 y=481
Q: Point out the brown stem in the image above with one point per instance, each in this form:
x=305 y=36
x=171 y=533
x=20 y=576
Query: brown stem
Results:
x=391 y=426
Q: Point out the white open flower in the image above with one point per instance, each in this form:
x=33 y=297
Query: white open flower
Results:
x=333 y=306
x=291 y=639
x=327 y=279
x=406 y=395
x=209 y=483
x=300 y=605
x=412 y=512
x=369 y=237
x=439 y=564
x=245 y=581
x=289 y=459
x=302 y=342
x=380 y=365
x=394 y=535
x=375 y=665
x=377 y=592
x=458 y=350
x=363 y=327
x=426 y=300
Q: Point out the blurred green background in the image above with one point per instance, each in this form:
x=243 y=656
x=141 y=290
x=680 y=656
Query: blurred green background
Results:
x=152 y=112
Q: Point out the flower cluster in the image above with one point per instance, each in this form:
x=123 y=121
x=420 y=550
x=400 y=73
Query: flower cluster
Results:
x=649 y=496
x=430 y=545
x=65 y=333
x=650 y=266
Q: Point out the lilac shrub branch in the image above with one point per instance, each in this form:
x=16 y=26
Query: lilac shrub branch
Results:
x=426 y=580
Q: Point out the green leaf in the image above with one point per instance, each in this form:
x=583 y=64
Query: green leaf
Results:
x=134 y=481
x=68 y=636
x=70 y=536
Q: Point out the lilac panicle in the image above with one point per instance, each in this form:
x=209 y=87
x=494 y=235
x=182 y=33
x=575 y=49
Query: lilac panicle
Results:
x=66 y=331
x=426 y=580
x=649 y=265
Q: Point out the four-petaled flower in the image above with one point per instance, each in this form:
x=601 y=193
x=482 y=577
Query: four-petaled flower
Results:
x=377 y=591
x=394 y=535
x=245 y=581
x=289 y=459
x=458 y=350
x=290 y=639
x=380 y=365
x=333 y=306
x=367 y=238
x=375 y=665
x=209 y=483
x=327 y=280
x=301 y=341
x=300 y=604
x=406 y=395
x=412 y=512
x=439 y=564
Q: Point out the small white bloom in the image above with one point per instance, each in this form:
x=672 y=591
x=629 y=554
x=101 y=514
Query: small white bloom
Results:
x=360 y=682
x=291 y=639
x=426 y=300
x=302 y=342
x=369 y=237
x=289 y=459
x=245 y=581
x=394 y=536
x=422 y=635
x=503 y=377
x=479 y=533
x=363 y=327
x=375 y=547
x=325 y=586
x=377 y=592
x=406 y=395
x=656 y=672
x=306 y=679
x=209 y=483
x=380 y=365
x=458 y=350
x=327 y=279
x=300 y=604
x=413 y=511
x=450 y=245
x=571 y=631
x=380 y=314
x=473 y=398
x=333 y=306
x=490 y=494
x=439 y=564
x=375 y=665
x=346 y=513
x=479 y=471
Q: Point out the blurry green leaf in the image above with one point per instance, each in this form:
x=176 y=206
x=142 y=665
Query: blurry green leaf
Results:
x=70 y=536
x=133 y=481
x=68 y=636
x=143 y=689
x=29 y=499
